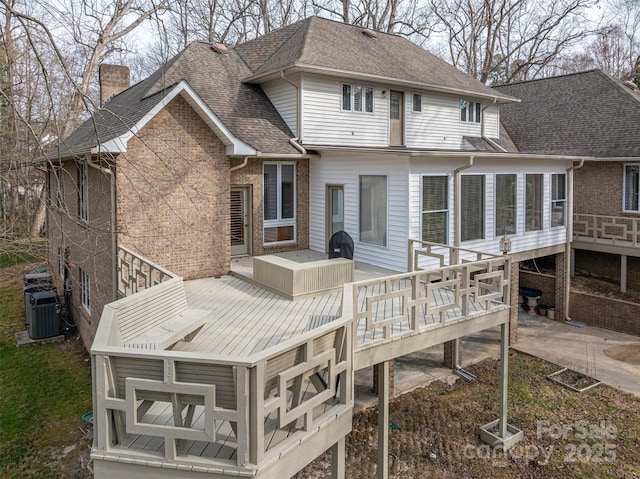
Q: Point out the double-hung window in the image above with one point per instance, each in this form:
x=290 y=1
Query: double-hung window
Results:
x=279 y=202
x=373 y=209
x=472 y=204
x=85 y=290
x=416 y=103
x=435 y=209
x=358 y=98
x=506 y=209
x=632 y=188
x=558 y=199
x=534 y=192
x=470 y=111
x=56 y=187
x=83 y=191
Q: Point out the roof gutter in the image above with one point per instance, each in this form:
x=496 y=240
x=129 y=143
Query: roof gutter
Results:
x=294 y=140
x=567 y=246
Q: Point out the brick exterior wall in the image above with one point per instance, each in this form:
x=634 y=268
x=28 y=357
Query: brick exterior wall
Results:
x=173 y=194
x=608 y=313
x=88 y=246
x=560 y=287
x=598 y=188
x=251 y=176
x=553 y=287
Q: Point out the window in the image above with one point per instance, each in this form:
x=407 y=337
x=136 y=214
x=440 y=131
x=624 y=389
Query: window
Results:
x=56 y=187
x=632 y=188
x=357 y=98
x=279 y=202
x=373 y=209
x=506 y=210
x=83 y=191
x=472 y=204
x=417 y=102
x=85 y=290
x=533 y=200
x=558 y=199
x=470 y=111
x=435 y=209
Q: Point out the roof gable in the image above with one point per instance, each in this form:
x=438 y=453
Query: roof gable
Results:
x=587 y=113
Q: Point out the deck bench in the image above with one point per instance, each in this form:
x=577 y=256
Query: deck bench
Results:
x=159 y=317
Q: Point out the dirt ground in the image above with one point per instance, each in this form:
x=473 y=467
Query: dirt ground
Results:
x=434 y=430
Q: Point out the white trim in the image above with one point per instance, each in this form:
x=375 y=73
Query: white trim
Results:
x=83 y=190
x=386 y=227
x=422 y=211
x=413 y=93
x=352 y=99
x=552 y=201
x=266 y=224
x=497 y=233
x=85 y=290
x=624 y=189
x=484 y=206
x=234 y=145
x=524 y=211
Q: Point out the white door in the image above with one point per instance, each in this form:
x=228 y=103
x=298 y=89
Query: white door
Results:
x=239 y=221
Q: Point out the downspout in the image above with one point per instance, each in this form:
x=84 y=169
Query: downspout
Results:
x=482 y=134
x=567 y=246
x=294 y=140
x=241 y=165
x=457 y=209
x=114 y=233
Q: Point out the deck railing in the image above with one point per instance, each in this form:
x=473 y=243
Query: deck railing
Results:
x=405 y=304
x=163 y=407
x=136 y=273
x=425 y=255
x=610 y=230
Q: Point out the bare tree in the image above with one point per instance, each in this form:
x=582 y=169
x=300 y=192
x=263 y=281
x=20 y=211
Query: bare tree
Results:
x=500 y=41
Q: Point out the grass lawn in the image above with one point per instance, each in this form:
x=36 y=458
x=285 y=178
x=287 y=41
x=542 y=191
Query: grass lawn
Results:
x=44 y=390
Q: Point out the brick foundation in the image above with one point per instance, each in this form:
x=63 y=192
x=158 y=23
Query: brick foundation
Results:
x=607 y=313
x=449 y=360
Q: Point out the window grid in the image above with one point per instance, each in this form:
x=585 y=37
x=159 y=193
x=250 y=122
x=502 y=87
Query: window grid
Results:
x=506 y=204
x=357 y=98
x=472 y=215
x=558 y=200
x=435 y=209
x=470 y=111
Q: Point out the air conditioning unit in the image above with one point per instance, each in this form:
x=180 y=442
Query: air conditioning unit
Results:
x=42 y=312
x=34 y=283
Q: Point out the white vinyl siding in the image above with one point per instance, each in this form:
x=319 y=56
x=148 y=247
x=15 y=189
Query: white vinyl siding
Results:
x=325 y=122
x=346 y=170
x=521 y=241
x=439 y=125
x=283 y=96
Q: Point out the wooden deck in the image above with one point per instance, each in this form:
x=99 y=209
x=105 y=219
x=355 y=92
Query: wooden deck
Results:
x=266 y=384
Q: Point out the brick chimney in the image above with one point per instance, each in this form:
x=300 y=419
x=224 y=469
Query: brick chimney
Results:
x=113 y=80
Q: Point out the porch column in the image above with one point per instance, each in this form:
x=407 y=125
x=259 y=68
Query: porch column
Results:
x=452 y=353
x=376 y=378
x=562 y=286
x=623 y=273
x=383 y=420
x=515 y=302
x=338 y=460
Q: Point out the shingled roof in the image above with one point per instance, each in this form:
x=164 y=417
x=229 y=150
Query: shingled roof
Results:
x=588 y=113
x=228 y=83
x=318 y=43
